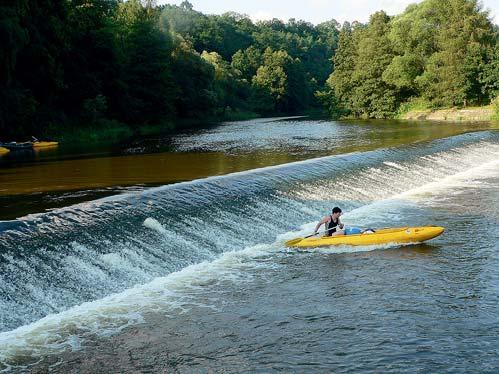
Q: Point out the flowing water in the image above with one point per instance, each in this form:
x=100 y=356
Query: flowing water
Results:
x=194 y=276
x=34 y=182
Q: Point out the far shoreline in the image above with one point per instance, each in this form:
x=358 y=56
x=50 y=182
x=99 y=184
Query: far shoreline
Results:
x=472 y=114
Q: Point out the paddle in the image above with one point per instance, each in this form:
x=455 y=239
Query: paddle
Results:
x=291 y=242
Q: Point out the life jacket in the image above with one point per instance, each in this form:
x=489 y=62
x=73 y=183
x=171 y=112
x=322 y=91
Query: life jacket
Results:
x=331 y=226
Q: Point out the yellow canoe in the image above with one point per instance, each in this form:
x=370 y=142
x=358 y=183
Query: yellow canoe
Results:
x=44 y=144
x=4 y=150
x=383 y=236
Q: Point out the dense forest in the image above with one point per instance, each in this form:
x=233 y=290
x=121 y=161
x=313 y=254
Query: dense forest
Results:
x=91 y=64
x=438 y=53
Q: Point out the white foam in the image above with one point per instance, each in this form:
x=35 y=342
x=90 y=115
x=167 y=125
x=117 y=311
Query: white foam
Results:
x=153 y=224
x=399 y=178
x=111 y=314
x=114 y=261
x=461 y=179
x=395 y=165
x=353 y=249
x=387 y=204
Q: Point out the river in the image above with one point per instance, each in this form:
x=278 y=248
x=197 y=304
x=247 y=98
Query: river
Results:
x=192 y=275
x=34 y=182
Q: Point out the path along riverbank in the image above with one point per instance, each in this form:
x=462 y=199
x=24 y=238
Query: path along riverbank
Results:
x=474 y=114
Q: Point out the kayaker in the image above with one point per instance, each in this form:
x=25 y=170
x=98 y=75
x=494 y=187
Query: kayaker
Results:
x=333 y=225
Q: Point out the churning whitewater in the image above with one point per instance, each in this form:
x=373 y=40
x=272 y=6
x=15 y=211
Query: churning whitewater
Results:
x=98 y=267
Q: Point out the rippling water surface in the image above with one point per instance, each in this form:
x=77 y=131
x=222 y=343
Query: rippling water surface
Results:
x=194 y=276
x=34 y=182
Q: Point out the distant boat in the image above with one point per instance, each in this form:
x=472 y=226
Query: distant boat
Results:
x=4 y=150
x=41 y=144
x=15 y=145
x=35 y=144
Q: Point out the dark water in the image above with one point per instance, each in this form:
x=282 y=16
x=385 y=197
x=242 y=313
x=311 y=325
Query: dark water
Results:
x=194 y=276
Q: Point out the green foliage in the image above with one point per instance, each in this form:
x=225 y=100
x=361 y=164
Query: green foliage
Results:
x=373 y=97
x=92 y=63
x=443 y=52
x=84 y=64
x=270 y=85
x=489 y=74
x=280 y=84
x=358 y=82
x=247 y=61
x=16 y=107
x=102 y=131
x=331 y=103
x=451 y=73
x=402 y=72
x=147 y=70
x=193 y=77
x=313 y=46
x=225 y=34
x=341 y=81
x=495 y=106
x=413 y=104
x=231 y=91
x=94 y=109
x=13 y=37
x=33 y=39
x=75 y=64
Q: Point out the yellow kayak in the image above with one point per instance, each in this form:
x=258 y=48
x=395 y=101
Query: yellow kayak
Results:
x=381 y=236
x=4 y=150
x=44 y=144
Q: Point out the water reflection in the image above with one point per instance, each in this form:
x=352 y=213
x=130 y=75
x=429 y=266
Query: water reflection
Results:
x=101 y=172
x=44 y=177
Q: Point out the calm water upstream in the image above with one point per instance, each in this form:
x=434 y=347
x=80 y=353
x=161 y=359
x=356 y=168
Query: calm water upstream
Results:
x=50 y=178
x=194 y=277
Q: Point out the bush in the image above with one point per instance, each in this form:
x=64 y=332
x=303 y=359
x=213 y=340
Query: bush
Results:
x=329 y=101
x=415 y=103
x=102 y=131
x=495 y=106
x=94 y=109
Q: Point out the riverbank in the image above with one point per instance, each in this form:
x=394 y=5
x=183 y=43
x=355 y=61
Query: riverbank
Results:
x=473 y=114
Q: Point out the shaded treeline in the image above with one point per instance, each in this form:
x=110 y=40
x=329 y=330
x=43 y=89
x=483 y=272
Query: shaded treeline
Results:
x=91 y=63
x=87 y=64
x=438 y=53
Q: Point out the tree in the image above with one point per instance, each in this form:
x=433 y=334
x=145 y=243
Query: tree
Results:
x=451 y=75
x=280 y=83
x=34 y=38
x=186 y=5
x=247 y=61
x=194 y=77
x=147 y=67
x=489 y=74
x=230 y=90
x=92 y=64
x=340 y=83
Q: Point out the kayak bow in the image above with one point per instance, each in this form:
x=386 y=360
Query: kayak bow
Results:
x=45 y=144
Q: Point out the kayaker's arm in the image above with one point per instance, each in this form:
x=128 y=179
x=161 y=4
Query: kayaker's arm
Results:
x=321 y=222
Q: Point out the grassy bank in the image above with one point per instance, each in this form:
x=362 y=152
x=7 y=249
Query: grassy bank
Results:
x=473 y=114
x=419 y=110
